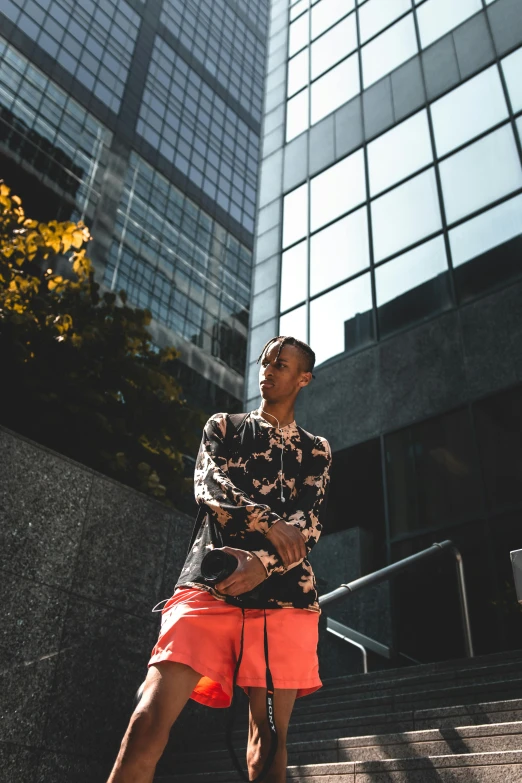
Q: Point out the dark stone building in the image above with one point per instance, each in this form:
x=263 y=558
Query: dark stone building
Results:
x=143 y=119
x=389 y=236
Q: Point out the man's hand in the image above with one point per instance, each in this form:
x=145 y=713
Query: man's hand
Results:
x=289 y=542
x=249 y=573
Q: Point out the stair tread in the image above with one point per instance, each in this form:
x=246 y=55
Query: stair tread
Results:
x=424 y=736
x=448 y=761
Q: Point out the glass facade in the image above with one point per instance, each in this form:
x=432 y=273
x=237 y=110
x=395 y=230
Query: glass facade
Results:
x=455 y=476
x=390 y=225
x=144 y=119
x=399 y=182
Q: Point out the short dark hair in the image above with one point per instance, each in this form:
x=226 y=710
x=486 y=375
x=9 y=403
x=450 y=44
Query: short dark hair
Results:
x=302 y=347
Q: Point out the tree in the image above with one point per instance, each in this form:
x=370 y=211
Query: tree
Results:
x=80 y=372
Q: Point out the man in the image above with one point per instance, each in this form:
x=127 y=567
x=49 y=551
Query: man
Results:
x=263 y=486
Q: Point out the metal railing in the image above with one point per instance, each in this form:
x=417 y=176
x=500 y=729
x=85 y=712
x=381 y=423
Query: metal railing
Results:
x=364 y=643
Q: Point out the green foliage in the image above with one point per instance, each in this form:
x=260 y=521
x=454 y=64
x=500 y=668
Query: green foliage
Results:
x=79 y=371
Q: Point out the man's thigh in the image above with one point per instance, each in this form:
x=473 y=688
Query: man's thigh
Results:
x=284 y=700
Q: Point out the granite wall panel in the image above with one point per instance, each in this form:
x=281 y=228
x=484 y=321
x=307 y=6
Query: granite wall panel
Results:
x=83 y=560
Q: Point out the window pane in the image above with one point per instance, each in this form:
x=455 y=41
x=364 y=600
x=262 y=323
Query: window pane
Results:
x=337 y=190
x=405 y=215
x=468 y=111
x=412 y=286
x=335 y=88
x=327 y=12
x=295 y=215
x=334 y=45
x=298 y=36
x=486 y=231
x=339 y=251
x=487 y=250
x=438 y=17
x=512 y=67
x=481 y=173
x=294 y=324
x=375 y=15
x=297 y=115
x=432 y=475
x=389 y=50
x=342 y=319
x=298 y=72
x=294 y=275
x=499 y=424
x=298 y=8
x=399 y=152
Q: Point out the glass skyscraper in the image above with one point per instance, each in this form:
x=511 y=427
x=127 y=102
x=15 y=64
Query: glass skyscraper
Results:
x=143 y=117
x=389 y=237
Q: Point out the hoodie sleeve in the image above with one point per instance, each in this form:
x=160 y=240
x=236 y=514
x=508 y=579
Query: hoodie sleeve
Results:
x=230 y=507
x=311 y=506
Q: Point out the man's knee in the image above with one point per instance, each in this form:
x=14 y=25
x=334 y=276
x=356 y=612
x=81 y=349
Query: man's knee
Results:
x=147 y=734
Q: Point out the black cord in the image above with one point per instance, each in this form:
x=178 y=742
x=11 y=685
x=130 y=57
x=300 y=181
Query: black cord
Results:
x=270 y=713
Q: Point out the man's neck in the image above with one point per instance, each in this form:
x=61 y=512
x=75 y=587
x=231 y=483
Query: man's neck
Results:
x=277 y=412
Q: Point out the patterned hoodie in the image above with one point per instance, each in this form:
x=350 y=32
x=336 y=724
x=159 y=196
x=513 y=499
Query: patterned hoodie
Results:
x=239 y=482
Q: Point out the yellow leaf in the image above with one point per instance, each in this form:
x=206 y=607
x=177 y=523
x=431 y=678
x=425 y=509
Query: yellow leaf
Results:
x=66 y=243
x=4 y=190
x=77 y=239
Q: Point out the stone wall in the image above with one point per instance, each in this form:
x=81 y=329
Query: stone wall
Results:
x=83 y=560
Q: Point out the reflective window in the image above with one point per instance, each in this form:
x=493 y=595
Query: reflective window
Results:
x=486 y=231
x=294 y=323
x=339 y=251
x=487 y=249
x=432 y=473
x=389 y=50
x=298 y=72
x=405 y=215
x=468 y=111
x=298 y=36
x=499 y=423
x=327 y=12
x=298 y=9
x=412 y=286
x=335 y=88
x=294 y=275
x=519 y=128
x=438 y=17
x=481 y=173
x=334 y=45
x=342 y=319
x=399 y=152
x=375 y=15
x=297 y=114
x=337 y=190
x=295 y=215
x=512 y=67
x=94 y=42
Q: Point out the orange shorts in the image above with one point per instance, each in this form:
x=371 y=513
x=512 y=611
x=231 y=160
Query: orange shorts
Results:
x=205 y=633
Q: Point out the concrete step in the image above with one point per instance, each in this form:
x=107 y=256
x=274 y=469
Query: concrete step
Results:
x=378 y=721
x=455 y=664
x=504 y=766
x=433 y=742
x=413 y=698
x=505 y=671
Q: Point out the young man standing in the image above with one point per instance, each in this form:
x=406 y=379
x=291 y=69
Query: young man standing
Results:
x=261 y=483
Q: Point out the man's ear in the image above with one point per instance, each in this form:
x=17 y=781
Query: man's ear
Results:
x=305 y=379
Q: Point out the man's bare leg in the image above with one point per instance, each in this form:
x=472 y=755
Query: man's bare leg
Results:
x=259 y=733
x=167 y=689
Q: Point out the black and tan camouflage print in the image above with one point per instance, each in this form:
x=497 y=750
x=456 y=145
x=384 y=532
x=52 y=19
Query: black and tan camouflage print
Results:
x=238 y=482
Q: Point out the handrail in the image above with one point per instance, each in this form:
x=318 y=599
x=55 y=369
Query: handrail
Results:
x=384 y=573
x=333 y=627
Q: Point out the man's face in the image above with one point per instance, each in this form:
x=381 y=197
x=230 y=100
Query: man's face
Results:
x=282 y=378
